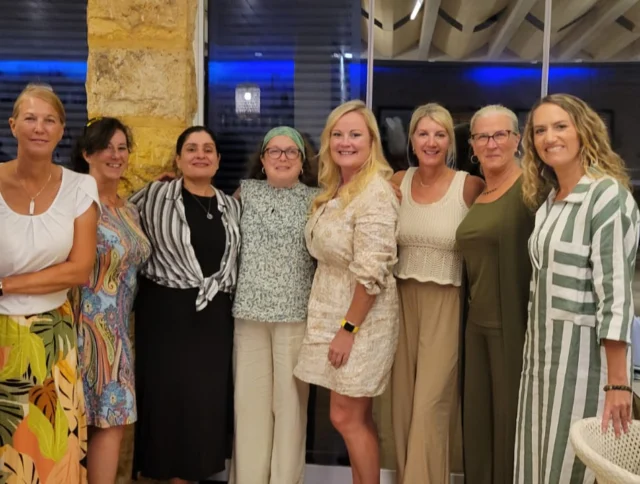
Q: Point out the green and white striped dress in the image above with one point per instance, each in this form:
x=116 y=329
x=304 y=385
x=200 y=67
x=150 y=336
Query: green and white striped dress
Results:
x=583 y=252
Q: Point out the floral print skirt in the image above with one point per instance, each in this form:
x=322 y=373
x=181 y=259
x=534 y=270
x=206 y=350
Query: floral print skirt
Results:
x=43 y=431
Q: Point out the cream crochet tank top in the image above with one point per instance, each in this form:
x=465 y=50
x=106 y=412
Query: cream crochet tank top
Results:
x=427 y=234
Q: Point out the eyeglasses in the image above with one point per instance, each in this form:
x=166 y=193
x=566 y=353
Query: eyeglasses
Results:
x=276 y=153
x=500 y=137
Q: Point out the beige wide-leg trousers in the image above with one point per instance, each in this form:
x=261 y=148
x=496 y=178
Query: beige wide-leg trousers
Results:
x=425 y=384
x=270 y=404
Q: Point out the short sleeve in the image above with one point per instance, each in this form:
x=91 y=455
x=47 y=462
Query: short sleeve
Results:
x=86 y=194
x=614 y=243
x=374 y=237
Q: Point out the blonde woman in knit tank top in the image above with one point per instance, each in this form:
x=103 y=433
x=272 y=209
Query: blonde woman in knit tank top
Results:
x=435 y=199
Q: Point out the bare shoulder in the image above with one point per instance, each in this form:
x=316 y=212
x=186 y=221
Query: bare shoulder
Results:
x=398 y=176
x=473 y=187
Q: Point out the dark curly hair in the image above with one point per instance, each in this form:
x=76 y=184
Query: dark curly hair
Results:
x=309 y=175
x=96 y=137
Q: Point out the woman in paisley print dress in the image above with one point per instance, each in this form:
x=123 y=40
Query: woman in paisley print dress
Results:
x=104 y=348
x=48 y=219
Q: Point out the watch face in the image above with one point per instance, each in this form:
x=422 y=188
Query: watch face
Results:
x=349 y=327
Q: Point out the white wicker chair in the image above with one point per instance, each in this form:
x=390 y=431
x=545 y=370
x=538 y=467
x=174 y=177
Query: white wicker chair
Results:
x=613 y=461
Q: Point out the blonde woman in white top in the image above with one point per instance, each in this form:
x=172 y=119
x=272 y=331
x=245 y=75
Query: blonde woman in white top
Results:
x=435 y=199
x=48 y=227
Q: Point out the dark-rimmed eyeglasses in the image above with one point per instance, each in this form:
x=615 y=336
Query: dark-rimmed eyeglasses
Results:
x=500 y=137
x=276 y=153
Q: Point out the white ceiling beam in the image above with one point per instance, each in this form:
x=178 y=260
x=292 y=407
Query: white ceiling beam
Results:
x=630 y=53
x=605 y=13
x=508 y=25
x=429 y=19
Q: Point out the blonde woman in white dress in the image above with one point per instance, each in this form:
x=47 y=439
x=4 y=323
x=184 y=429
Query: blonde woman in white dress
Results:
x=352 y=326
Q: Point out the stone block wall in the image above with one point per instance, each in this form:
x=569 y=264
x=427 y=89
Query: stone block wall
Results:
x=141 y=70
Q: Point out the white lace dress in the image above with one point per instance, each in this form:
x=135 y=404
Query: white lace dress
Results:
x=354 y=244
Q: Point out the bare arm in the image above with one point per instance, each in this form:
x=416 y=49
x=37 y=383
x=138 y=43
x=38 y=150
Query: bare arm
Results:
x=473 y=187
x=397 y=177
x=616 y=352
x=72 y=272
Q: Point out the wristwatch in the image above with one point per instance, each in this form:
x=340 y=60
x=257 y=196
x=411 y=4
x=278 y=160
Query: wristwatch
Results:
x=352 y=328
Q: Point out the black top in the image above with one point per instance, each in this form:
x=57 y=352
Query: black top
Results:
x=208 y=236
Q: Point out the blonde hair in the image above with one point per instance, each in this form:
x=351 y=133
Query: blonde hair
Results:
x=329 y=177
x=43 y=92
x=440 y=115
x=596 y=155
x=495 y=109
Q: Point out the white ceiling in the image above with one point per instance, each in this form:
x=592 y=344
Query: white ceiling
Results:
x=505 y=30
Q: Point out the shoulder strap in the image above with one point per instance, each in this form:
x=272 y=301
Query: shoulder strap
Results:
x=405 y=186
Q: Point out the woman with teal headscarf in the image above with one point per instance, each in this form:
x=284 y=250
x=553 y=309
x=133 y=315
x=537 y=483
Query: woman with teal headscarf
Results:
x=270 y=311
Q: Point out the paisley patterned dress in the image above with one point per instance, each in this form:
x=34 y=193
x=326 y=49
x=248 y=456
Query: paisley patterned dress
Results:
x=105 y=354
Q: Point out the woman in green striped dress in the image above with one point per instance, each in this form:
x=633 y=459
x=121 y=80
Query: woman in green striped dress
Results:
x=583 y=252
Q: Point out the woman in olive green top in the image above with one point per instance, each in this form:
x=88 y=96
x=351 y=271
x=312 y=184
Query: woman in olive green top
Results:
x=493 y=241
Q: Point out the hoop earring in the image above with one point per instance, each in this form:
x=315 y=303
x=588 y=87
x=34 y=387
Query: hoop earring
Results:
x=301 y=171
x=476 y=161
x=519 y=153
x=263 y=172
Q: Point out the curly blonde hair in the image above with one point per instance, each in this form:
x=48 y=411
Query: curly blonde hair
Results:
x=329 y=177
x=596 y=155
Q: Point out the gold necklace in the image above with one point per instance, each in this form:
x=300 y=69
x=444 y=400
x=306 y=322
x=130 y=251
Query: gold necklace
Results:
x=424 y=185
x=32 y=203
x=488 y=192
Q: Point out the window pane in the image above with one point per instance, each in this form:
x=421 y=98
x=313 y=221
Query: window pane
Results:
x=462 y=54
x=46 y=42
x=277 y=63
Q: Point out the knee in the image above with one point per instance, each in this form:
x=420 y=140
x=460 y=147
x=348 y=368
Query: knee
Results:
x=339 y=417
x=343 y=418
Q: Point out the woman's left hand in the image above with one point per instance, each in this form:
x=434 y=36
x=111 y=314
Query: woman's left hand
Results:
x=340 y=348
x=617 y=407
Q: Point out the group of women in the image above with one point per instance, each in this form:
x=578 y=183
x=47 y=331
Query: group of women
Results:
x=322 y=269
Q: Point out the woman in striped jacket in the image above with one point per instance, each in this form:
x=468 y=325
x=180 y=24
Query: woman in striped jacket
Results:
x=184 y=327
x=583 y=251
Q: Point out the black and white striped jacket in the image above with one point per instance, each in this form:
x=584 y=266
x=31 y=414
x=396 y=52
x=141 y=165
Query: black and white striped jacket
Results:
x=173 y=262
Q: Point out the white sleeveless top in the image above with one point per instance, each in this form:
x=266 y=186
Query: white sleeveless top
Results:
x=31 y=243
x=427 y=234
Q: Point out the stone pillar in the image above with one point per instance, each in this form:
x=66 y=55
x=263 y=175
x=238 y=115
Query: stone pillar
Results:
x=141 y=70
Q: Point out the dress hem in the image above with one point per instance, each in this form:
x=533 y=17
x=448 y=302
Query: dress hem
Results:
x=323 y=382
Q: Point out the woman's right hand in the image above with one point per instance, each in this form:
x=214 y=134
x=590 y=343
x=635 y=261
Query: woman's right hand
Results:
x=167 y=176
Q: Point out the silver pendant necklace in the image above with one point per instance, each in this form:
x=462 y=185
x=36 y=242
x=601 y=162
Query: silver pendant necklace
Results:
x=207 y=209
x=32 y=202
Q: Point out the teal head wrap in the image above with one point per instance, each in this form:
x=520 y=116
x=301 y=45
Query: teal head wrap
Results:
x=291 y=133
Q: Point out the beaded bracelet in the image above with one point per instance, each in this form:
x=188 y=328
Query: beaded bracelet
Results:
x=625 y=388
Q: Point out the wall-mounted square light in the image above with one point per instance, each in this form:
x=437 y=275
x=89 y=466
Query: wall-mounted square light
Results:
x=247 y=100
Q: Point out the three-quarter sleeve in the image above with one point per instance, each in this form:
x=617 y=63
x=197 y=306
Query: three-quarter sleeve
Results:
x=615 y=232
x=374 y=237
